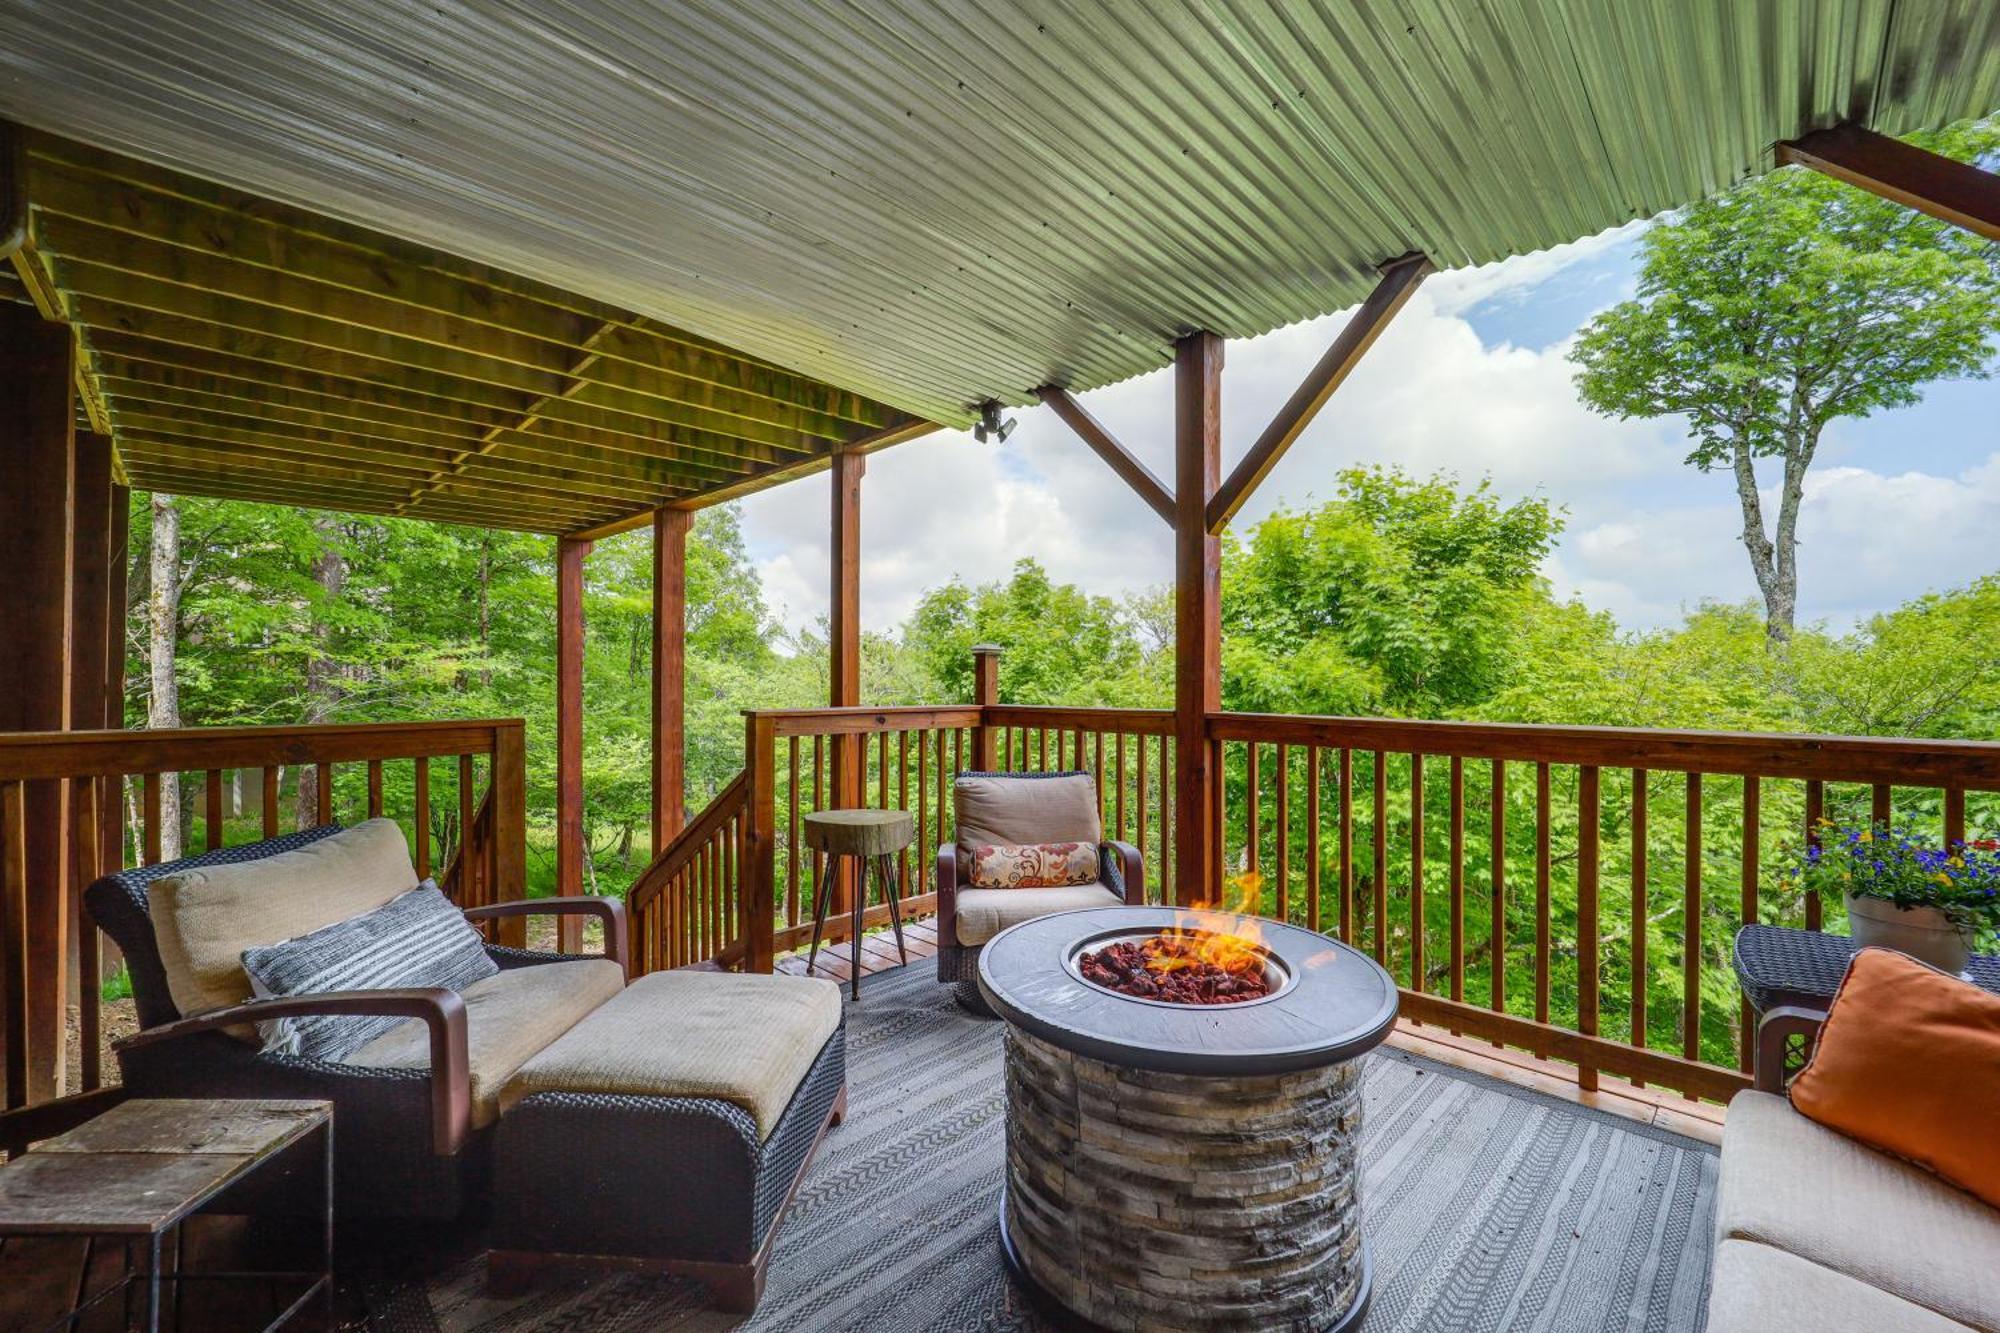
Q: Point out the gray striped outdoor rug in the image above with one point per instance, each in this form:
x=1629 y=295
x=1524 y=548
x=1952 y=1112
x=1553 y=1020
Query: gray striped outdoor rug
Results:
x=1488 y=1207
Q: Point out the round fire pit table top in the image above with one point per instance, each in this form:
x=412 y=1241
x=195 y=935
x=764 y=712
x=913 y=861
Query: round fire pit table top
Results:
x=1337 y=1003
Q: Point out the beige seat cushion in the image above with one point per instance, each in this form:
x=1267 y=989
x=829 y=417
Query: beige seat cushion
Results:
x=205 y=918
x=1798 y=1186
x=509 y=1017
x=984 y=913
x=998 y=811
x=1758 y=1289
x=744 y=1039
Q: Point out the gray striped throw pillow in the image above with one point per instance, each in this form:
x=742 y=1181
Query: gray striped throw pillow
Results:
x=416 y=939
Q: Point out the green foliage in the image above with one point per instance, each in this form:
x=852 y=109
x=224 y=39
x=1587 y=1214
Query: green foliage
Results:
x=1062 y=645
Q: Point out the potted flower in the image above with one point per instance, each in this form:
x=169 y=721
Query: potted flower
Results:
x=1927 y=902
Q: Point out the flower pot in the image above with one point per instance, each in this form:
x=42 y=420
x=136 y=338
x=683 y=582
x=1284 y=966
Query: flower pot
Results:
x=1923 y=933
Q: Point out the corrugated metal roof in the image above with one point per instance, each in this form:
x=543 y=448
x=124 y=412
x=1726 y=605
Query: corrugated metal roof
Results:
x=934 y=203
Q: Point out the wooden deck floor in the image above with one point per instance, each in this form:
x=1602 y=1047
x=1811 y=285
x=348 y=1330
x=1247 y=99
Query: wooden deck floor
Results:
x=878 y=953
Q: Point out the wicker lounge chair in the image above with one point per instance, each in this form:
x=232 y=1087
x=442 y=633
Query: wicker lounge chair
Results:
x=414 y=1121
x=1020 y=808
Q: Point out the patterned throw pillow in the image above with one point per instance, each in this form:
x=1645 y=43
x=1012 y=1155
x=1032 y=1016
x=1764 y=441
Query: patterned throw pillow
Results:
x=416 y=939
x=1045 y=865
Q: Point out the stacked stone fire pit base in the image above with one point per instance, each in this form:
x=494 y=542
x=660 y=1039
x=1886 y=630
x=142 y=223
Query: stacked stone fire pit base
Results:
x=1174 y=1166
x=1114 y=1177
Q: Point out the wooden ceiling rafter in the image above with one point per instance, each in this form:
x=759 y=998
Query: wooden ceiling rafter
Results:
x=233 y=345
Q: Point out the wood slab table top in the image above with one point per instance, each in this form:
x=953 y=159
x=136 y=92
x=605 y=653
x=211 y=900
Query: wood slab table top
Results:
x=145 y=1164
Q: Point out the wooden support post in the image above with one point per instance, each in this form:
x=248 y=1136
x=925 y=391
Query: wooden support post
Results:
x=1197 y=612
x=670 y=533
x=111 y=798
x=1956 y=192
x=570 y=849
x=89 y=615
x=37 y=462
x=844 y=648
x=985 y=693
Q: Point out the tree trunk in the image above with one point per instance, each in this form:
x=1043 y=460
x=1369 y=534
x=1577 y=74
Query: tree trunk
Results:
x=329 y=571
x=485 y=606
x=163 y=609
x=1765 y=560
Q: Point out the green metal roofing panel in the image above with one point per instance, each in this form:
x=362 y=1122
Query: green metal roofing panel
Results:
x=934 y=203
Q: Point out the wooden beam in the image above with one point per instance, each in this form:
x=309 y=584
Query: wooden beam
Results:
x=570 y=849
x=1115 y=455
x=670 y=534
x=37 y=458
x=1197 y=610
x=1956 y=192
x=1400 y=278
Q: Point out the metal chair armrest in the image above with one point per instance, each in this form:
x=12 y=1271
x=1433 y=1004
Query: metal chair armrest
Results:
x=442 y=1011
x=1774 y=1033
x=609 y=910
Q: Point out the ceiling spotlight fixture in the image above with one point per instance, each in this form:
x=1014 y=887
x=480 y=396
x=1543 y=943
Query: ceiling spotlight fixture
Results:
x=991 y=428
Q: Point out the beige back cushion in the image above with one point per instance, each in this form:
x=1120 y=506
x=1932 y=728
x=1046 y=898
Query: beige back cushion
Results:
x=1018 y=811
x=204 y=919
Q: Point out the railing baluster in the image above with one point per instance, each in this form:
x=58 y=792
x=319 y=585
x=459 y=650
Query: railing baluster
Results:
x=468 y=875
x=1118 y=769
x=1169 y=884
x=1418 y=979
x=1312 y=837
x=1282 y=834
x=374 y=788
x=1346 y=800
x=1097 y=753
x=1691 y=926
x=211 y=813
x=421 y=818
x=1751 y=871
x=270 y=798
x=1586 y=915
x=1456 y=878
x=1639 y=905
x=151 y=799
x=1496 y=911
x=1380 y=925
x=925 y=844
x=1252 y=784
x=792 y=831
x=1954 y=816
x=14 y=940
x=86 y=846
x=903 y=803
x=1881 y=804
x=1542 y=877
x=323 y=809
x=1145 y=798
x=1815 y=813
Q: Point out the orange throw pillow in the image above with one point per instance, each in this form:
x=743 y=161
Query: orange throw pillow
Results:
x=1909 y=1062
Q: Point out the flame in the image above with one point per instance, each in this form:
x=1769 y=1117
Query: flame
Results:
x=1227 y=935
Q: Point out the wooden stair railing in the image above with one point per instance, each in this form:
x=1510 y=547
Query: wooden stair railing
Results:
x=686 y=906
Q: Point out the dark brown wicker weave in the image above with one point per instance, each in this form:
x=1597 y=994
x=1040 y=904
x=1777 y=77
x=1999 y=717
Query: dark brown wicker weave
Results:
x=1123 y=872
x=1778 y=966
x=405 y=1150
x=674 y=1183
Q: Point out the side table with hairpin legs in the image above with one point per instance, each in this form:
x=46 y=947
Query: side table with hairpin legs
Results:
x=869 y=838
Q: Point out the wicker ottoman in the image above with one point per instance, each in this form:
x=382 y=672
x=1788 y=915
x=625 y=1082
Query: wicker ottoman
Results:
x=669 y=1130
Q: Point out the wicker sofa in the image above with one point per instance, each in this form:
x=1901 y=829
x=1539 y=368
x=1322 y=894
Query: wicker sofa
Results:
x=1817 y=1233
x=415 y=1107
x=1020 y=808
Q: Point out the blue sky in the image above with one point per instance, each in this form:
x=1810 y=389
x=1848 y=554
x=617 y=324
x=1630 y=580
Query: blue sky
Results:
x=1471 y=379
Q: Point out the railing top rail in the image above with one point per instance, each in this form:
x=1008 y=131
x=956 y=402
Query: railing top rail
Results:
x=1144 y=721
x=34 y=755
x=855 y=721
x=730 y=801
x=1904 y=762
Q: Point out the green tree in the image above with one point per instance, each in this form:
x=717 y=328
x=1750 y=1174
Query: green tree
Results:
x=1061 y=645
x=1789 y=302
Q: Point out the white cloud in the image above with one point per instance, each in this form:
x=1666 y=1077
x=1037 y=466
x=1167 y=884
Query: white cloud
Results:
x=1648 y=538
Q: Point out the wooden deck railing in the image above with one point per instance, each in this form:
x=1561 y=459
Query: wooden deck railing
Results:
x=95 y=775
x=684 y=908
x=1568 y=890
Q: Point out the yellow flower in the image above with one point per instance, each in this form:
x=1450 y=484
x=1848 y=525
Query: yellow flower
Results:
x=1944 y=880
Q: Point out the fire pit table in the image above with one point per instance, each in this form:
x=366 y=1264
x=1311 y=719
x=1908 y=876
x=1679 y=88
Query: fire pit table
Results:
x=1185 y=1166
